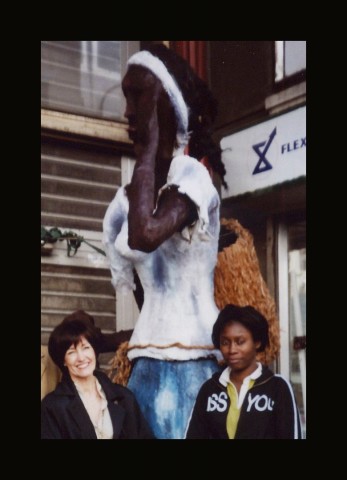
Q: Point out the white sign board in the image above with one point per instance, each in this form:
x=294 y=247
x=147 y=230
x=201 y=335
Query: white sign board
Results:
x=266 y=154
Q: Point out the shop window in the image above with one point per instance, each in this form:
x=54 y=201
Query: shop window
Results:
x=292 y=308
x=290 y=58
x=84 y=77
x=82 y=165
x=78 y=181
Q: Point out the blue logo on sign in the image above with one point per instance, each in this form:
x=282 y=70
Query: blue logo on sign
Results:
x=263 y=163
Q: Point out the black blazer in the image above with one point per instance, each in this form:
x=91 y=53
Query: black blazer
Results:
x=63 y=415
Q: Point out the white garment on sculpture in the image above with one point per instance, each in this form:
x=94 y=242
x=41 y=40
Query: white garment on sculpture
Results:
x=177 y=278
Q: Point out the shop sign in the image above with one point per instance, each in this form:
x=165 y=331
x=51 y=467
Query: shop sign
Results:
x=265 y=154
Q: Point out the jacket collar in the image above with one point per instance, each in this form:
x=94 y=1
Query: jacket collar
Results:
x=114 y=396
x=78 y=412
x=112 y=390
x=79 y=415
x=225 y=375
x=266 y=373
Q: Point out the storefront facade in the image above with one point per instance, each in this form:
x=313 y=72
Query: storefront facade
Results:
x=86 y=156
x=261 y=87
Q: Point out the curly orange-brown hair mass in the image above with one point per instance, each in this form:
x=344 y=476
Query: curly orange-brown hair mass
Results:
x=238 y=280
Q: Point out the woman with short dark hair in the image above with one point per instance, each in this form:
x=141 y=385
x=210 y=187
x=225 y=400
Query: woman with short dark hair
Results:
x=246 y=400
x=86 y=404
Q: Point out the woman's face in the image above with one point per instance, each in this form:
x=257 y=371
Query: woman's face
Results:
x=80 y=360
x=238 y=347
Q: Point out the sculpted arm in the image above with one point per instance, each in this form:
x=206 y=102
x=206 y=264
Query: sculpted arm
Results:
x=147 y=230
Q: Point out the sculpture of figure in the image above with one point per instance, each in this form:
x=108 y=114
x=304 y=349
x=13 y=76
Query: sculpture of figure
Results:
x=164 y=225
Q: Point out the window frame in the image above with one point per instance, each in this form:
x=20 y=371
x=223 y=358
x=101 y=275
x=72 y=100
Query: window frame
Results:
x=77 y=123
x=283 y=300
x=280 y=64
x=75 y=127
x=73 y=124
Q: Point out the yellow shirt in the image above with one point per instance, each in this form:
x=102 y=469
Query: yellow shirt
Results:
x=236 y=400
x=234 y=410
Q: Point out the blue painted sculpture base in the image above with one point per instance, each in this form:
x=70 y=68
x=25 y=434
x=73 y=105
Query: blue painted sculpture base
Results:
x=166 y=391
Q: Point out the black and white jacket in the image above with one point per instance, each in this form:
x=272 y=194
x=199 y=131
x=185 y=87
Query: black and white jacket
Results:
x=268 y=411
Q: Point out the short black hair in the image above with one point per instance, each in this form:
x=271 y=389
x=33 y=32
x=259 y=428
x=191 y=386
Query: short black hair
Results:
x=249 y=317
x=70 y=331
